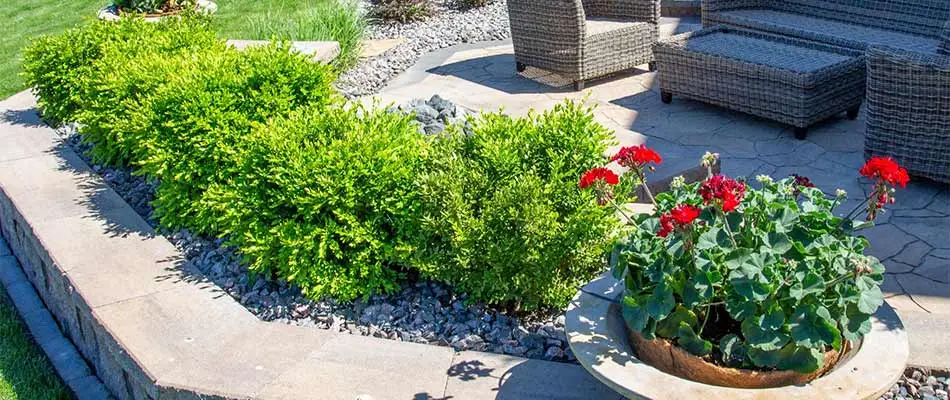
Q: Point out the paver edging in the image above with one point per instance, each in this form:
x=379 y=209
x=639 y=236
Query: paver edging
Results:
x=151 y=330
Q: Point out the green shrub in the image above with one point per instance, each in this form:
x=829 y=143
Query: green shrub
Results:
x=190 y=131
x=62 y=68
x=326 y=200
x=402 y=10
x=338 y=20
x=502 y=216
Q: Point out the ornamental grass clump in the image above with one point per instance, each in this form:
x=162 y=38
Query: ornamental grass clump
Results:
x=762 y=276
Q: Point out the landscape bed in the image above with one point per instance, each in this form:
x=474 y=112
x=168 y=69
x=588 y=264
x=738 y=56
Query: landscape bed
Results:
x=488 y=204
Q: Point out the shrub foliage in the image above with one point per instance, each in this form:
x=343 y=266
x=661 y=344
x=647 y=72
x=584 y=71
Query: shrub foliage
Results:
x=257 y=148
x=502 y=216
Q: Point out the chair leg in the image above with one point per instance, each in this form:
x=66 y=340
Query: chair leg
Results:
x=666 y=97
x=652 y=66
x=801 y=133
x=579 y=85
x=853 y=112
x=520 y=67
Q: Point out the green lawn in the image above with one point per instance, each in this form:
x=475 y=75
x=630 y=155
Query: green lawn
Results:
x=237 y=19
x=25 y=372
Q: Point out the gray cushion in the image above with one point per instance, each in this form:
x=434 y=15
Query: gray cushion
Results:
x=920 y=17
x=823 y=30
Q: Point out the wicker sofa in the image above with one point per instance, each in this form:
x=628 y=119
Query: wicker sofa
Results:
x=914 y=25
x=583 y=39
x=908 y=110
x=908 y=65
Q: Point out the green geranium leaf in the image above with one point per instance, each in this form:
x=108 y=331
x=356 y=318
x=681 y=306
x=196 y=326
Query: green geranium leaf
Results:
x=616 y=267
x=732 y=348
x=736 y=258
x=800 y=359
x=688 y=340
x=787 y=219
x=740 y=309
x=707 y=240
x=669 y=326
x=774 y=317
x=751 y=289
x=854 y=324
x=813 y=283
x=635 y=316
x=810 y=330
x=661 y=303
x=869 y=300
x=779 y=242
x=757 y=335
x=764 y=358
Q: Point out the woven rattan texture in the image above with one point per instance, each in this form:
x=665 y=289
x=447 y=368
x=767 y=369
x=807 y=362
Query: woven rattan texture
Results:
x=734 y=69
x=568 y=36
x=908 y=110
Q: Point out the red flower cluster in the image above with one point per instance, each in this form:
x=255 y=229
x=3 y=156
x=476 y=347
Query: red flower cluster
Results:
x=887 y=172
x=886 y=169
x=722 y=191
x=680 y=216
x=601 y=179
x=634 y=157
x=597 y=174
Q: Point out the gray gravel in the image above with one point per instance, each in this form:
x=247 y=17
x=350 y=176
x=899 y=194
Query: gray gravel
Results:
x=448 y=27
x=423 y=312
x=921 y=384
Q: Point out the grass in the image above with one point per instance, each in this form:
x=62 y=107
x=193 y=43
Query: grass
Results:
x=25 y=373
x=236 y=19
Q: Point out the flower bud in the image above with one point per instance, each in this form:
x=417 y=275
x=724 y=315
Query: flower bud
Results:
x=678 y=182
x=764 y=179
x=841 y=193
x=709 y=159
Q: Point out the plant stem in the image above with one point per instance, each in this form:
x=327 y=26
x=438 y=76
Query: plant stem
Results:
x=705 y=319
x=725 y=222
x=643 y=182
x=629 y=220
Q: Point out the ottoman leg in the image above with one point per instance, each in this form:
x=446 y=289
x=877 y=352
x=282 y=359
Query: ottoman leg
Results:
x=519 y=66
x=652 y=66
x=853 y=112
x=801 y=133
x=579 y=85
x=666 y=97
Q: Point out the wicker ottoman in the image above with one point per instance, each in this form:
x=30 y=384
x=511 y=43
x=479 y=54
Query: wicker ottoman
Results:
x=788 y=80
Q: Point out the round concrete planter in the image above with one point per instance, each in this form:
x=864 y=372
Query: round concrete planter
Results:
x=598 y=337
x=111 y=12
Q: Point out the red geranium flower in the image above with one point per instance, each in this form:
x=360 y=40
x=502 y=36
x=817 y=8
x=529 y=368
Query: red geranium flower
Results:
x=597 y=174
x=684 y=214
x=886 y=169
x=680 y=216
x=636 y=156
x=727 y=193
x=666 y=225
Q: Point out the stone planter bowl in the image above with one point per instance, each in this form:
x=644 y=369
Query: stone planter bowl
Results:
x=111 y=12
x=598 y=337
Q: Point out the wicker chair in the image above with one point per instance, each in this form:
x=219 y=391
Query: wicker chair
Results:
x=908 y=110
x=584 y=39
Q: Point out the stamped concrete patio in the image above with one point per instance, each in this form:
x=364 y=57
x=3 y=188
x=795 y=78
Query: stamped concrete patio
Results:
x=913 y=238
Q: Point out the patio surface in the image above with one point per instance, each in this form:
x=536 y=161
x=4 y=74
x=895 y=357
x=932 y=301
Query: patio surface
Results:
x=912 y=238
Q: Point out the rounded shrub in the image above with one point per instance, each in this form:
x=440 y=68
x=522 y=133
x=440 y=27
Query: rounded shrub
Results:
x=326 y=200
x=502 y=217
